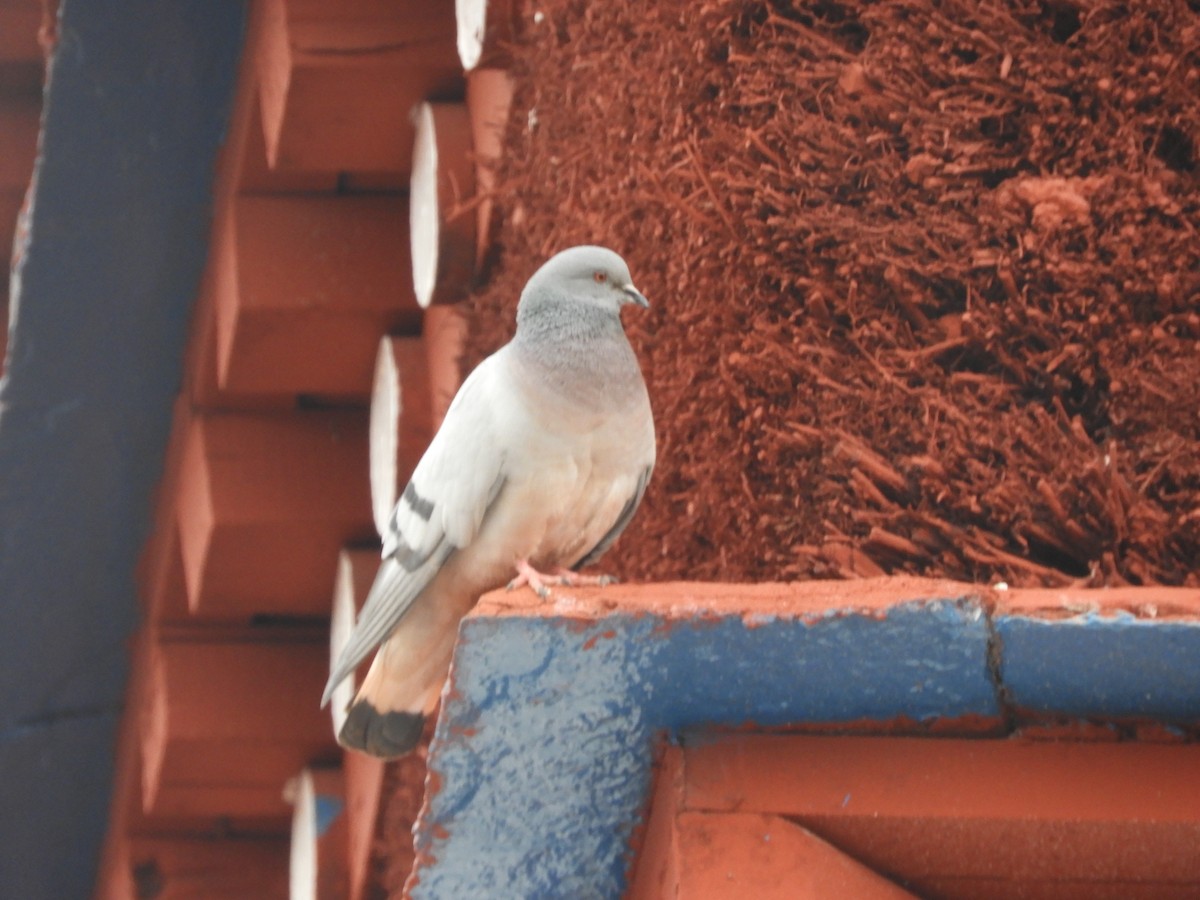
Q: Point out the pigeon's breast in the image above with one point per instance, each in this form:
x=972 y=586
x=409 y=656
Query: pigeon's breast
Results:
x=564 y=489
x=570 y=465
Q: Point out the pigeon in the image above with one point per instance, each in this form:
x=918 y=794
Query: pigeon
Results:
x=540 y=463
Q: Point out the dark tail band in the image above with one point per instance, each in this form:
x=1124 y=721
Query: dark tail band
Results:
x=386 y=735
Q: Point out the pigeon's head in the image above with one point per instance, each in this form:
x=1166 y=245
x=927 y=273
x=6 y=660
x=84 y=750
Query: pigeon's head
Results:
x=594 y=276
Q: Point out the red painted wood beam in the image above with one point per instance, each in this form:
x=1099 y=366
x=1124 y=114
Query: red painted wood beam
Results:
x=962 y=818
x=301 y=275
x=444 y=334
x=20 y=24
x=20 y=121
x=688 y=854
x=184 y=868
x=768 y=858
x=224 y=725
x=364 y=782
x=337 y=81
x=20 y=112
x=489 y=100
x=265 y=504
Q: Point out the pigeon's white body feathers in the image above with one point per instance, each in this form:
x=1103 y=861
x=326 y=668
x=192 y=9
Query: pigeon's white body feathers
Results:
x=542 y=458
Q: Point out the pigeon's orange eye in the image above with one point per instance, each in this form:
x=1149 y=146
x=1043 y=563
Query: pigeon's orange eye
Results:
x=599 y=277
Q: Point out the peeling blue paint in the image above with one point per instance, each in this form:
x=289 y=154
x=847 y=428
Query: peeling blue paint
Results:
x=543 y=751
x=542 y=757
x=540 y=731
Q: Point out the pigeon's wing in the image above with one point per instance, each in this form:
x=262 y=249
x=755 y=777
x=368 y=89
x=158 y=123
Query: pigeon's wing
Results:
x=440 y=511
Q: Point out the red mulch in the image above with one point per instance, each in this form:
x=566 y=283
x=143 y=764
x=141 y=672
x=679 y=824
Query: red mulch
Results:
x=926 y=277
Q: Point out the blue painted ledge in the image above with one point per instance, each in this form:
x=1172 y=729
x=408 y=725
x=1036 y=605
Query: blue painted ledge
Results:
x=1123 y=658
x=541 y=764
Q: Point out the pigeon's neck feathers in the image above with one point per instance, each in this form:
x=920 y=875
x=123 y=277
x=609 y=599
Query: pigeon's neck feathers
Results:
x=545 y=316
x=576 y=347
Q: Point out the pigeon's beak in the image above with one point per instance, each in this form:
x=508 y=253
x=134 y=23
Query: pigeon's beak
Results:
x=635 y=296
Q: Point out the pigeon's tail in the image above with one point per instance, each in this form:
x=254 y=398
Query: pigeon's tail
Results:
x=387 y=735
x=387 y=715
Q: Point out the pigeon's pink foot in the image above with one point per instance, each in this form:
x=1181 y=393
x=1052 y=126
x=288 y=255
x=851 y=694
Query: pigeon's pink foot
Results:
x=528 y=575
x=560 y=577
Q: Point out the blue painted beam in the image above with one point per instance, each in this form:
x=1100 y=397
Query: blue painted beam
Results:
x=137 y=98
x=1107 y=666
x=541 y=763
x=543 y=751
